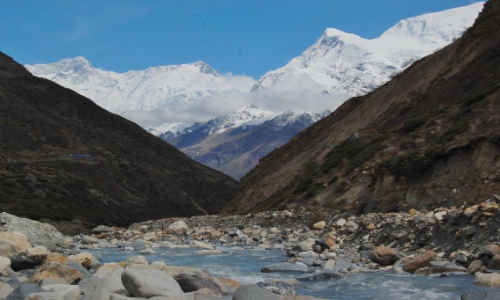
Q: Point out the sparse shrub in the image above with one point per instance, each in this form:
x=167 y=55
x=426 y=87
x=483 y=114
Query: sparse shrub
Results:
x=415 y=123
x=315 y=218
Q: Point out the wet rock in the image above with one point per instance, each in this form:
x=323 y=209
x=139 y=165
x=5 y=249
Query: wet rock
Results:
x=284 y=267
x=137 y=260
x=148 y=251
x=475 y=266
x=19 y=263
x=325 y=275
x=491 y=279
x=254 y=292
x=418 y=262
x=198 y=244
x=481 y=295
x=151 y=283
x=384 y=256
x=278 y=287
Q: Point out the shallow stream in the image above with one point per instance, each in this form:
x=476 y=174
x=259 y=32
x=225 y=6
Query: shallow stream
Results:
x=244 y=266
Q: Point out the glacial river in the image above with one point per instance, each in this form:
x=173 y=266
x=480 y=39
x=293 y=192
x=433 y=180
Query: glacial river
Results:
x=244 y=266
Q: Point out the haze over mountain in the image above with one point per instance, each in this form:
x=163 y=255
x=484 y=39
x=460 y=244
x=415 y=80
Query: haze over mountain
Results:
x=65 y=158
x=168 y=99
x=428 y=138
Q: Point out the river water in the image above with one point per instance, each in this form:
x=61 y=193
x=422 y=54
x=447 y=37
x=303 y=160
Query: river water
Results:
x=244 y=266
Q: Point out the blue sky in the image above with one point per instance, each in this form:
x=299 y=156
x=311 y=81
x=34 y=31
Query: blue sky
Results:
x=243 y=37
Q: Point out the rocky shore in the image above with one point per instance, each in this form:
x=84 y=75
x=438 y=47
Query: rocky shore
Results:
x=37 y=262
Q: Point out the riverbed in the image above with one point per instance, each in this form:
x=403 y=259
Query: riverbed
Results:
x=245 y=265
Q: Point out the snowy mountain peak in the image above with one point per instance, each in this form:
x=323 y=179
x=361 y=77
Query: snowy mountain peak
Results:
x=346 y=63
x=243 y=115
x=142 y=90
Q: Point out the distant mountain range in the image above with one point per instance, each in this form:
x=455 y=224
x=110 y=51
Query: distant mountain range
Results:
x=339 y=62
x=346 y=63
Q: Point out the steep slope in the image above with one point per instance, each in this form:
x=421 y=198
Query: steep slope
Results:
x=428 y=138
x=346 y=63
x=238 y=148
x=121 y=173
x=143 y=90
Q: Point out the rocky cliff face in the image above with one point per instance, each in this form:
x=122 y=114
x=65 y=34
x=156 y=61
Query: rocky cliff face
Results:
x=64 y=158
x=427 y=138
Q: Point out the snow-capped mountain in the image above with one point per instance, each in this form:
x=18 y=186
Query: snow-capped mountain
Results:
x=346 y=63
x=144 y=90
x=235 y=147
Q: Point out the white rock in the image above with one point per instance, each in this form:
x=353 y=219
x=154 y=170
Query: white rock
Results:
x=68 y=292
x=151 y=283
x=198 y=244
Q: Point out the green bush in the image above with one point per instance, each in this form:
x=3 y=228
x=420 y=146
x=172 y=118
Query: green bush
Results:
x=415 y=123
x=354 y=150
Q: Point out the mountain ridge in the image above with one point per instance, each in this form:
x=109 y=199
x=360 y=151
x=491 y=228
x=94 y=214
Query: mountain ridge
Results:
x=426 y=139
x=66 y=159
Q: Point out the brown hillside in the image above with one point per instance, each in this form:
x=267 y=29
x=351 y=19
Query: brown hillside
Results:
x=428 y=138
x=130 y=176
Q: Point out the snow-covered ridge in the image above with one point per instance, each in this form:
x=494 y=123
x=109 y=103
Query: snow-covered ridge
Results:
x=346 y=63
x=143 y=90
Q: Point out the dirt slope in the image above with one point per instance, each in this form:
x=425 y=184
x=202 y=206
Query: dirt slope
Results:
x=428 y=138
x=130 y=176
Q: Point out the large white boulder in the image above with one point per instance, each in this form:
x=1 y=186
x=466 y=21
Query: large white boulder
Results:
x=151 y=283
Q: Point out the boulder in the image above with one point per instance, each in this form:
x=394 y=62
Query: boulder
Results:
x=192 y=283
x=4 y=263
x=178 y=227
x=198 y=244
x=107 y=270
x=418 y=262
x=491 y=279
x=102 y=228
x=151 y=283
x=278 y=287
x=475 y=266
x=201 y=294
x=329 y=265
x=148 y=251
x=37 y=233
x=491 y=250
x=5 y=290
x=100 y=289
x=44 y=296
x=284 y=267
x=351 y=227
x=58 y=273
x=84 y=259
x=254 y=292
x=23 y=291
x=137 y=260
x=68 y=292
x=494 y=262
x=384 y=256
x=209 y=252
x=320 y=225
x=12 y=243
x=481 y=295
